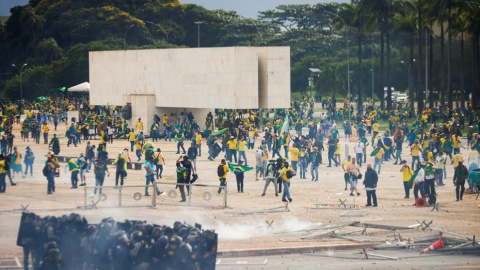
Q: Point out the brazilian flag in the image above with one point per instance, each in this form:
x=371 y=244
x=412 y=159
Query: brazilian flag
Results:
x=411 y=182
x=42 y=98
x=235 y=168
x=375 y=151
x=61 y=89
x=72 y=165
x=218 y=133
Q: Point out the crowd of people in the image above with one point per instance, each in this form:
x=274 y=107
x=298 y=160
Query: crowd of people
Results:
x=70 y=242
x=293 y=139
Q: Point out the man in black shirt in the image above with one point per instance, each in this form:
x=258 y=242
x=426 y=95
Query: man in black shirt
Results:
x=192 y=153
x=332 y=146
x=120 y=172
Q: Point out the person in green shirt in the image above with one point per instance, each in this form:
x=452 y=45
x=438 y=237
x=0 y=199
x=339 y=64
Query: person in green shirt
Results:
x=73 y=168
x=55 y=144
x=179 y=138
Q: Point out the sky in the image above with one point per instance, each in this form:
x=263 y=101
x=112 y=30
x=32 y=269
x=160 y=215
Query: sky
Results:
x=245 y=8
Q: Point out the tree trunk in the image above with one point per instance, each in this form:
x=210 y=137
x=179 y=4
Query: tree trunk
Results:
x=442 y=91
x=449 y=63
x=431 y=96
x=476 y=69
x=420 y=85
x=382 y=66
x=411 y=87
x=389 y=85
x=360 y=76
x=462 y=75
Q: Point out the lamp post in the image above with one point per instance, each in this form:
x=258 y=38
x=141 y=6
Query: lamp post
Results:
x=409 y=74
x=125 y=37
x=198 y=32
x=20 y=73
x=310 y=80
x=161 y=28
x=348 y=50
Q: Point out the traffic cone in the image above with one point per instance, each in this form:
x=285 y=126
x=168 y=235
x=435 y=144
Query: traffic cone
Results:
x=437 y=245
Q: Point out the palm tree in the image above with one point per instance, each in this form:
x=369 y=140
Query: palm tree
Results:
x=49 y=50
x=31 y=22
x=473 y=26
x=383 y=11
x=363 y=23
x=407 y=22
x=420 y=5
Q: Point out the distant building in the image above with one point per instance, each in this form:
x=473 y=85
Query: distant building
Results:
x=3 y=20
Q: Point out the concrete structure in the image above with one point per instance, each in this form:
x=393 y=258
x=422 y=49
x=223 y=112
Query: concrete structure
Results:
x=195 y=80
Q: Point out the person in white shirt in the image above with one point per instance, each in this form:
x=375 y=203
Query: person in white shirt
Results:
x=472 y=159
x=439 y=165
x=419 y=182
x=359 y=148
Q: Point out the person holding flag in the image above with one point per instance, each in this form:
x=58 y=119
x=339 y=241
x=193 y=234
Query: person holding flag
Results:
x=239 y=171
x=418 y=178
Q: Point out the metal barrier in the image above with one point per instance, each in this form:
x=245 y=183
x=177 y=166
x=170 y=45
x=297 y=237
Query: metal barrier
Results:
x=133 y=196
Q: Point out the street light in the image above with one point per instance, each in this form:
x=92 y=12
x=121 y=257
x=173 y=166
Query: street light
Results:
x=198 y=32
x=125 y=37
x=161 y=28
x=20 y=73
x=310 y=80
x=348 y=50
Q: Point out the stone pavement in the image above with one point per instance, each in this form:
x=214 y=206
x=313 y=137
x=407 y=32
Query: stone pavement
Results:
x=236 y=231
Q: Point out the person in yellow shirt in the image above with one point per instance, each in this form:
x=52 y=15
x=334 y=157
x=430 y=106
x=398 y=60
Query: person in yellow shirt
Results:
x=198 y=143
x=138 y=149
x=416 y=149
x=294 y=156
x=284 y=175
x=160 y=163
x=456 y=159
x=337 y=152
x=376 y=128
x=232 y=149
x=242 y=144
x=222 y=178
x=139 y=125
x=407 y=173
x=457 y=141
x=45 y=132
x=132 y=136
x=378 y=159
x=3 y=174
x=346 y=174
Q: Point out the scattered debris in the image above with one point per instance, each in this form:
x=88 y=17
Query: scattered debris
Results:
x=264 y=211
x=366 y=255
x=437 y=207
x=355 y=213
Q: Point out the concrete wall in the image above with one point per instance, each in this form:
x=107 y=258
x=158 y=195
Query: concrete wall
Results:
x=197 y=80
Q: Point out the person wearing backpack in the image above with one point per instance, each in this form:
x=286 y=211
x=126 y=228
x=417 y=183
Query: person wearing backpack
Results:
x=222 y=170
x=270 y=174
x=286 y=175
x=82 y=168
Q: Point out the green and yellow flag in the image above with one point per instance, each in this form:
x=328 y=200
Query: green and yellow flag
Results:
x=411 y=182
x=61 y=89
x=235 y=168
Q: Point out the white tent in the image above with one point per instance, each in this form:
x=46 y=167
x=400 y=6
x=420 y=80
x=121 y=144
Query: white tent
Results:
x=83 y=87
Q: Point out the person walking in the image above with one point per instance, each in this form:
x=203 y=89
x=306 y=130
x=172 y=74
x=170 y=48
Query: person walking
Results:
x=286 y=175
x=29 y=160
x=45 y=129
x=378 y=158
x=158 y=156
x=398 y=148
x=240 y=176
x=354 y=171
x=120 y=171
x=3 y=174
x=407 y=173
x=100 y=169
x=294 y=156
x=150 y=176
x=16 y=164
x=50 y=175
x=430 y=183
x=232 y=149
x=55 y=144
x=73 y=168
x=346 y=174
x=271 y=176
x=192 y=153
x=181 y=180
x=416 y=150
x=315 y=161
x=332 y=146
x=459 y=177
x=82 y=163
x=242 y=145
x=180 y=138
x=222 y=168
x=370 y=183
x=440 y=161
x=359 y=148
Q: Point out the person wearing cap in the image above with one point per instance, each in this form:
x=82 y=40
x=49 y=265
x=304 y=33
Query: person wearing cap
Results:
x=232 y=149
x=222 y=178
x=239 y=176
x=29 y=159
x=286 y=182
x=430 y=182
